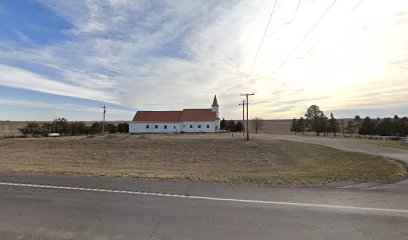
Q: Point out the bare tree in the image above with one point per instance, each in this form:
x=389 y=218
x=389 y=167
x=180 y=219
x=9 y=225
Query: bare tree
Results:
x=258 y=124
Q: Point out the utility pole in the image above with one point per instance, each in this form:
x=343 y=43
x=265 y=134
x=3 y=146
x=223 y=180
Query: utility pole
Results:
x=243 y=117
x=103 y=123
x=246 y=95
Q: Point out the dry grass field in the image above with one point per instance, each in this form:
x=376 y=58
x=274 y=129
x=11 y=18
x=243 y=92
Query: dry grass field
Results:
x=273 y=127
x=198 y=157
x=11 y=127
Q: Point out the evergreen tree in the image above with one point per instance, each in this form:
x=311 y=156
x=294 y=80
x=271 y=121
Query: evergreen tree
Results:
x=123 y=127
x=385 y=127
x=126 y=127
x=294 y=126
x=323 y=125
x=316 y=121
x=230 y=125
x=223 y=124
x=367 y=127
x=333 y=125
x=95 y=128
x=112 y=128
x=301 y=125
x=239 y=127
x=396 y=122
x=403 y=127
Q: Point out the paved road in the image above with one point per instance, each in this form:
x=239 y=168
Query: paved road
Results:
x=58 y=207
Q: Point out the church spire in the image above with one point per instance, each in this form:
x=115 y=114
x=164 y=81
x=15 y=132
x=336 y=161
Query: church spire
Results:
x=215 y=103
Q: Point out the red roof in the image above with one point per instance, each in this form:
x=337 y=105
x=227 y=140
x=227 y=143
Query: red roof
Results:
x=157 y=116
x=198 y=115
x=175 y=116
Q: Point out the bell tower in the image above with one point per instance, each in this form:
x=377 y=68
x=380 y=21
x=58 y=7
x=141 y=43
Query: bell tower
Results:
x=215 y=106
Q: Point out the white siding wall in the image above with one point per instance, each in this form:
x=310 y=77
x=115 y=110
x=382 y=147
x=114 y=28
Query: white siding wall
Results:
x=141 y=127
x=180 y=127
x=195 y=126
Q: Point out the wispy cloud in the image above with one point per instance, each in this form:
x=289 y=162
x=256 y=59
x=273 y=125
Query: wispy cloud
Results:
x=18 y=78
x=175 y=54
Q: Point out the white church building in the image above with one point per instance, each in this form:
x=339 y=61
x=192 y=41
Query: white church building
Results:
x=187 y=120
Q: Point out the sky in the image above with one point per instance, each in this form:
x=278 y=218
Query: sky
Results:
x=70 y=58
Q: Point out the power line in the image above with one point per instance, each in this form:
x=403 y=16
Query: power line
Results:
x=355 y=6
x=302 y=40
x=298 y=5
x=263 y=37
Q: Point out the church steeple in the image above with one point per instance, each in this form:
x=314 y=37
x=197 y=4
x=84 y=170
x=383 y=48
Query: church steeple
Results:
x=215 y=106
x=215 y=103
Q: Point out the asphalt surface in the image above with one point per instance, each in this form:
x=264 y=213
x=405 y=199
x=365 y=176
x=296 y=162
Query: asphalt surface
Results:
x=116 y=208
x=74 y=207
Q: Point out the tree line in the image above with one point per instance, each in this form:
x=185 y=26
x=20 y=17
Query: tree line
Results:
x=231 y=126
x=395 y=126
x=237 y=126
x=73 y=128
x=316 y=121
